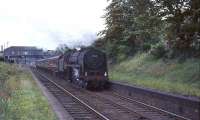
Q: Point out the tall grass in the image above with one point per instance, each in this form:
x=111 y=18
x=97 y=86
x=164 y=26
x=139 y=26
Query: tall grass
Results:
x=20 y=98
x=5 y=71
x=170 y=76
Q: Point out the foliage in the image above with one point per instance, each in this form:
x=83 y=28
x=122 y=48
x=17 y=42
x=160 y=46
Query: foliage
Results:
x=158 y=50
x=1 y=59
x=131 y=26
x=135 y=25
x=196 y=42
x=163 y=28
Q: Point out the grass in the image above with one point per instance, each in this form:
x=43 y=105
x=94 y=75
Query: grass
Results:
x=20 y=98
x=169 y=76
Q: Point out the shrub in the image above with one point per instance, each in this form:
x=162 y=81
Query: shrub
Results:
x=196 y=43
x=158 y=50
x=147 y=46
x=1 y=59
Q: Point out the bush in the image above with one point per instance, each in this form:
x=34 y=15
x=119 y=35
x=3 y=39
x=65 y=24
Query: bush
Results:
x=196 y=43
x=121 y=57
x=1 y=59
x=147 y=46
x=158 y=50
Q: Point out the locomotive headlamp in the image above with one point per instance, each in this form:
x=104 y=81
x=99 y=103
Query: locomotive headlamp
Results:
x=85 y=73
x=105 y=74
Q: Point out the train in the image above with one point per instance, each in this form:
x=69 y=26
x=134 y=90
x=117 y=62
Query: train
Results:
x=86 y=68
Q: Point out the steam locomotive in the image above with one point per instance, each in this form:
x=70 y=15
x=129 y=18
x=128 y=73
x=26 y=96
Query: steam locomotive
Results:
x=86 y=68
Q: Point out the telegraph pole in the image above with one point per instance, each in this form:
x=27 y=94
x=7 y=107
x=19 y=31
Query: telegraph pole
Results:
x=4 y=46
x=7 y=43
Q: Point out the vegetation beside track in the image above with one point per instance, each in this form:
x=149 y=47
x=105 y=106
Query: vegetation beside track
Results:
x=20 y=98
x=165 y=75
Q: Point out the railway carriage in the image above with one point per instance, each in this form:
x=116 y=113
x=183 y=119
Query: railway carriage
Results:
x=49 y=64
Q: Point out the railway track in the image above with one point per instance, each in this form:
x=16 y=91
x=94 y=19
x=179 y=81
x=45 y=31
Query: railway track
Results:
x=113 y=106
x=107 y=109
x=127 y=105
x=148 y=111
x=73 y=105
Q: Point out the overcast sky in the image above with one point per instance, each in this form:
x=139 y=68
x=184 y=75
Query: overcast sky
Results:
x=47 y=23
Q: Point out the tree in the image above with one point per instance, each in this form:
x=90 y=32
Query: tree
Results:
x=130 y=26
x=183 y=17
x=138 y=25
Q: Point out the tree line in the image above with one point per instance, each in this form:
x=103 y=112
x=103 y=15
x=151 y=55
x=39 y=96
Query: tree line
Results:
x=165 y=28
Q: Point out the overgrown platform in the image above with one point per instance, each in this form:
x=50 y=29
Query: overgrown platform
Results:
x=20 y=97
x=164 y=75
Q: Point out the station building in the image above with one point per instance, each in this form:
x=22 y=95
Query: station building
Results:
x=22 y=54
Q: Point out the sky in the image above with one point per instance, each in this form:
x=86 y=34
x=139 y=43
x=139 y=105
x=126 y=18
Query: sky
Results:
x=48 y=23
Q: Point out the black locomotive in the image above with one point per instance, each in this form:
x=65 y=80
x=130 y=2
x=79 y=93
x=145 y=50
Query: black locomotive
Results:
x=86 y=68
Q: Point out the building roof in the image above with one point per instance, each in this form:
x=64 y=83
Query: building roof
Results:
x=22 y=47
x=23 y=51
